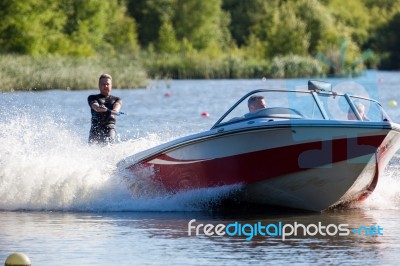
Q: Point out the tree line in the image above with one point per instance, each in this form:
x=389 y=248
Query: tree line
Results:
x=336 y=32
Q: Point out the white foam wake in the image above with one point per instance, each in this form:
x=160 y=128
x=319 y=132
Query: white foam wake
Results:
x=387 y=192
x=44 y=165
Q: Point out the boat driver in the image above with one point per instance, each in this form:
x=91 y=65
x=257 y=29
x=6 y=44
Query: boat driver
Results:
x=255 y=103
x=104 y=107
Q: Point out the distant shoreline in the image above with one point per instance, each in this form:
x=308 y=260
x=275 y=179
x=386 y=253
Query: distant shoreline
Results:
x=28 y=73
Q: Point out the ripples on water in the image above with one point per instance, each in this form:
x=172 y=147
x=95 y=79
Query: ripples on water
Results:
x=46 y=166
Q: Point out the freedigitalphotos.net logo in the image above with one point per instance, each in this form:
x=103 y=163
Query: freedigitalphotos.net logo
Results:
x=280 y=229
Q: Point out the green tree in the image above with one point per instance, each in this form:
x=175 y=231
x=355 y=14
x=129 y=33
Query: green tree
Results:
x=243 y=15
x=70 y=27
x=318 y=21
x=31 y=26
x=354 y=15
x=202 y=23
x=279 y=29
x=95 y=26
x=259 y=22
x=386 y=7
x=288 y=34
x=121 y=32
x=167 y=42
x=149 y=16
x=387 y=43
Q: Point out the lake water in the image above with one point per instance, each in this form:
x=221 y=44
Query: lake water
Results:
x=63 y=202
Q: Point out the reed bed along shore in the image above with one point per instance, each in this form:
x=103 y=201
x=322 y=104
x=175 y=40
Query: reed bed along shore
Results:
x=197 y=66
x=49 y=72
x=19 y=72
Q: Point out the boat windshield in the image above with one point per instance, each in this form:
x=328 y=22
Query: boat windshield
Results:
x=373 y=111
x=286 y=104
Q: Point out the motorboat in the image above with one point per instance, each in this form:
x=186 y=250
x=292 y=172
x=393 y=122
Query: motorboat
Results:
x=311 y=148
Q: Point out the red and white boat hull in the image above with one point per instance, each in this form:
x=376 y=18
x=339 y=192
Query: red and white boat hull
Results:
x=302 y=164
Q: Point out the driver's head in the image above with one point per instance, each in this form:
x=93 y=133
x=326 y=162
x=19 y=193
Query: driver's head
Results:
x=256 y=102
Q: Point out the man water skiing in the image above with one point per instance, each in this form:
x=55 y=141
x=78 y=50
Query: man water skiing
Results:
x=104 y=107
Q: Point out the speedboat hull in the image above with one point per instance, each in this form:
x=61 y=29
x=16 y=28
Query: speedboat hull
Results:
x=307 y=149
x=305 y=164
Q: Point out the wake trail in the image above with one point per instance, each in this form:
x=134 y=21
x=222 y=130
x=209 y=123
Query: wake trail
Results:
x=45 y=166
